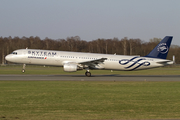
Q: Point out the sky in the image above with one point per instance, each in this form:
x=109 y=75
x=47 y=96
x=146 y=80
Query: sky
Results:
x=91 y=19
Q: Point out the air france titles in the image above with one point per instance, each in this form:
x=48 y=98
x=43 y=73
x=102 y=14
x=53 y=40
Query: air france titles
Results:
x=41 y=54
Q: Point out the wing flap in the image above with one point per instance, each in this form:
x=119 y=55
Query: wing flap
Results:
x=94 y=63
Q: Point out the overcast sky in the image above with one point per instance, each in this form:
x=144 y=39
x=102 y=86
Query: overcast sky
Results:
x=91 y=19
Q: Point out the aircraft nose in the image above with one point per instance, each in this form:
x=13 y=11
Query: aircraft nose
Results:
x=7 y=57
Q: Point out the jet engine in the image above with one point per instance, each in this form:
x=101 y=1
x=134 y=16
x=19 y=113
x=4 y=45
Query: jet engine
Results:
x=69 y=67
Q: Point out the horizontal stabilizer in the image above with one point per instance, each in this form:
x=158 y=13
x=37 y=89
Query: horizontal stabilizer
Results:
x=166 y=62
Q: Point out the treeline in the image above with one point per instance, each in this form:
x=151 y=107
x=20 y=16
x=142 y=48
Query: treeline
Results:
x=117 y=46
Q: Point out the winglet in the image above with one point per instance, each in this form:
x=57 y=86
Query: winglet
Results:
x=162 y=49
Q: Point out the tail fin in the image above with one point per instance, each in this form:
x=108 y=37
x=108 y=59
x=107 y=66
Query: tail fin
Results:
x=162 y=49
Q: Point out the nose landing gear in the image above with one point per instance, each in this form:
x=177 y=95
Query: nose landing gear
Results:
x=24 y=67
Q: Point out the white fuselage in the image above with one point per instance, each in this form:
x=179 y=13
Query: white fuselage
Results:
x=59 y=58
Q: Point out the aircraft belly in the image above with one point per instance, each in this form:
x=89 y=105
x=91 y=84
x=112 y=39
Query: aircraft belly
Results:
x=49 y=61
x=129 y=66
x=113 y=66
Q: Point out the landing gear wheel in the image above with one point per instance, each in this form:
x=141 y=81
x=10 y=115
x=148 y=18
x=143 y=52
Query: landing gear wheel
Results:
x=88 y=74
x=23 y=70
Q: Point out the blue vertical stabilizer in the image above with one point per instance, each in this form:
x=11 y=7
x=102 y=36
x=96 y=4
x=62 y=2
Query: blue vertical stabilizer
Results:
x=162 y=49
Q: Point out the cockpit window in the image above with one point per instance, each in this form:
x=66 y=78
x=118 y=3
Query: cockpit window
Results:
x=15 y=53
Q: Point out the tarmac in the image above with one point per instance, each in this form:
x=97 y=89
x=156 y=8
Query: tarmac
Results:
x=112 y=77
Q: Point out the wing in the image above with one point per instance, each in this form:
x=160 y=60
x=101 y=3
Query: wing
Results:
x=93 y=64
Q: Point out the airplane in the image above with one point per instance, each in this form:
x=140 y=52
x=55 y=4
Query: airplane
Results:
x=74 y=61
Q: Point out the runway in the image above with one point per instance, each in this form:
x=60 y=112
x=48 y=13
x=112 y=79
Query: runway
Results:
x=112 y=77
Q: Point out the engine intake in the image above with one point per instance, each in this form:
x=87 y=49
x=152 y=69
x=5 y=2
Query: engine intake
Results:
x=69 y=67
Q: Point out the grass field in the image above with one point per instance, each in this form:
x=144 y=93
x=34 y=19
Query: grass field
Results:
x=52 y=100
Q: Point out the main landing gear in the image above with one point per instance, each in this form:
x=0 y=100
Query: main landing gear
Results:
x=24 y=67
x=87 y=73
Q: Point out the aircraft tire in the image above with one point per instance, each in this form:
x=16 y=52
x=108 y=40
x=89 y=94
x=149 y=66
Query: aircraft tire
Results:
x=23 y=70
x=88 y=74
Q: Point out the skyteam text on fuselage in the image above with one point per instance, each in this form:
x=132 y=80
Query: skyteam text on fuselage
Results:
x=73 y=61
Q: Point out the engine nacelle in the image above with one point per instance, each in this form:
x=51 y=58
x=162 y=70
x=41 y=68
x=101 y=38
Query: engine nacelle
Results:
x=69 y=67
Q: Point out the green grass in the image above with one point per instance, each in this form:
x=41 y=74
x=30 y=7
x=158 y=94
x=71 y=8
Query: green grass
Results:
x=169 y=70
x=45 y=100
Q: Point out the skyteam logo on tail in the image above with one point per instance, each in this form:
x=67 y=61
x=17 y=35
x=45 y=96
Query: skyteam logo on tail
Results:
x=163 y=48
x=134 y=63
